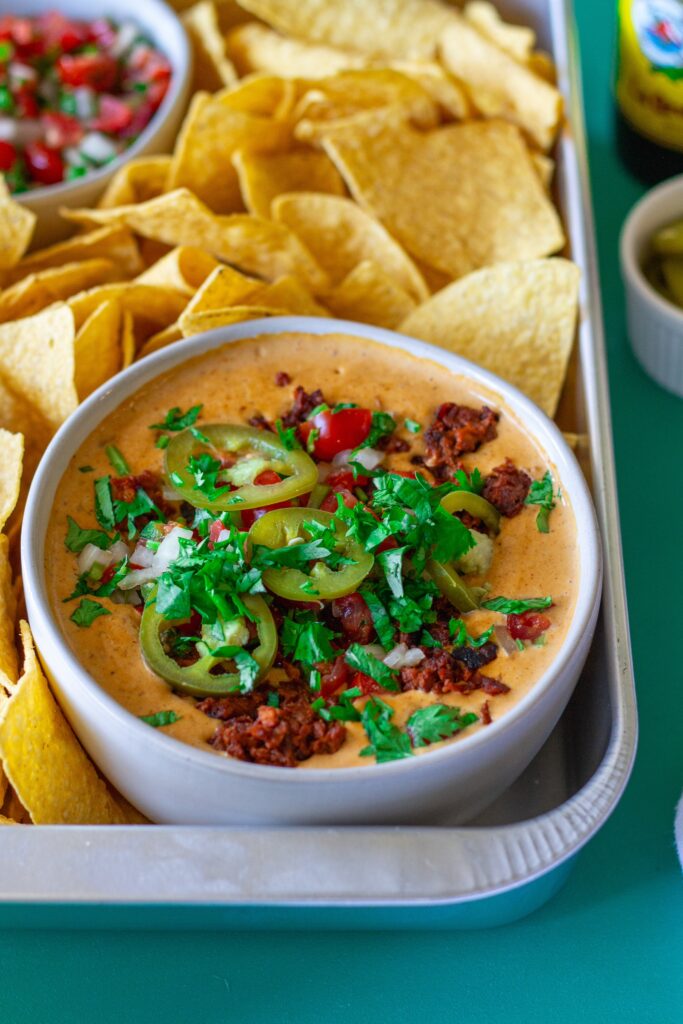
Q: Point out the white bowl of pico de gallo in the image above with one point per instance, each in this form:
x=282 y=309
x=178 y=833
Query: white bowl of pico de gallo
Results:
x=305 y=571
x=82 y=91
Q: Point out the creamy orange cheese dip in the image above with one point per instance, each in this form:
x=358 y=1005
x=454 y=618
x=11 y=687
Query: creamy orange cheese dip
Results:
x=235 y=382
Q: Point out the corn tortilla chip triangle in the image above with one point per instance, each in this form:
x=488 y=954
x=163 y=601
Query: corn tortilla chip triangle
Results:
x=499 y=86
x=97 y=348
x=254 y=245
x=254 y=47
x=371 y=296
x=42 y=288
x=210 y=319
x=212 y=66
x=12 y=447
x=393 y=28
x=44 y=762
x=263 y=176
x=341 y=235
x=184 y=268
x=515 y=319
x=517 y=40
x=9 y=669
x=457 y=198
x=37 y=362
x=112 y=242
x=137 y=181
x=16 y=228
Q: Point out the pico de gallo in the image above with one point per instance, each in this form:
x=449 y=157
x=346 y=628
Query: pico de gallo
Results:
x=290 y=583
x=73 y=95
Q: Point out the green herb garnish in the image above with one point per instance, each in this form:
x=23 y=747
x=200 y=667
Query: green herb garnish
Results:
x=116 y=460
x=87 y=612
x=287 y=435
x=362 y=661
x=509 y=606
x=436 y=723
x=161 y=718
x=386 y=741
x=412 y=426
x=541 y=493
x=76 y=538
x=176 y=420
x=461 y=637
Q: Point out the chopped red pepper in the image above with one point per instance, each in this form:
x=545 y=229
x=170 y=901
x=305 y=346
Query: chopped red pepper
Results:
x=527 y=625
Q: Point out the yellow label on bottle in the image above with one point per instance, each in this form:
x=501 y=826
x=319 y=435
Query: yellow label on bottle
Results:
x=650 y=70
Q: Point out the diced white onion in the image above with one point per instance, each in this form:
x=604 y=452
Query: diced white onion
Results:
x=342 y=458
x=376 y=650
x=402 y=656
x=98 y=148
x=92 y=555
x=125 y=37
x=126 y=597
x=119 y=551
x=504 y=640
x=84 y=98
x=369 y=458
x=223 y=536
x=324 y=470
x=137 y=577
x=19 y=72
x=170 y=495
x=142 y=556
x=169 y=549
x=20 y=132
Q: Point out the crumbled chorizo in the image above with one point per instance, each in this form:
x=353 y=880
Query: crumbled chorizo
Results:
x=442 y=672
x=353 y=616
x=282 y=379
x=457 y=430
x=506 y=487
x=260 y=422
x=302 y=406
x=125 y=488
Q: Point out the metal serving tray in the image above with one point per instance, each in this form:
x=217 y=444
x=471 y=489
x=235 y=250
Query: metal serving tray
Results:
x=501 y=866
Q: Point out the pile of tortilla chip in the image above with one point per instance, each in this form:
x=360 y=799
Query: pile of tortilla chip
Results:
x=384 y=161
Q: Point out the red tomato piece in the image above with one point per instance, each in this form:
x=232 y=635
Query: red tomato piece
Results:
x=344 y=480
x=334 y=676
x=366 y=684
x=45 y=164
x=527 y=625
x=337 y=431
x=97 y=70
x=250 y=515
x=387 y=544
x=114 y=115
x=354 y=618
x=8 y=155
x=26 y=103
x=61 y=129
x=215 y=531
x=330 y=503
x=62 y=32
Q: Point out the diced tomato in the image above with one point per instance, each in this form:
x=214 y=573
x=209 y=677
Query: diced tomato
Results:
x=61 y=129
x=114 y=115
x=387 y=544
x=107 y=575
x=8 y=156
x=102 y=31
x=337 y=431
x=366 y=684
x=149 y=65
x=344 y=480
x=97 y=70
x=215 y=531
x=330 y=503
x=264 y=478
x=61 y=32
x=335 y=675
x=44 y=163
x=527 y=625
x=26 y=103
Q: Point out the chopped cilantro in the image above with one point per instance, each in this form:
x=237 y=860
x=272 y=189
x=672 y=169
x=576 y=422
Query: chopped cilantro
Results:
x=437 y=722
x=382 y=426
x=141 y=505
x=344 y=405
x=86 y=469
x=87 y=612
x=273 y=699
x=161 y=718
x=287 y=436
x=362 y=661
x=176 y=420
x=313 y=436
x=205 y=470
x=386 y=741
x=304 y=638
x=104 y=506
x=461 y=637
x=412 y=426
x=541 y=493
x=472 y=483
x=116 y=460
x=76 y=538
x=519 y=644
x=427 y=640
x=322 y=407
x=163 y=441
x=540 y=641
x=509 y=606
x=380 y=618
x=315 y=681
x=391 y=562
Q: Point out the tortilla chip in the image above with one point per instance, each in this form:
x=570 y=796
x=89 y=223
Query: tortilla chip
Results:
x=444 y=90
x=499 y=86
x=254 y=47
x=543 y=65
x=212 y=68
x=515 y=319
x=7 y=821
x=341 y=235
x=41 y=289
x=262 y=177
x=369 y=295
x=442 y=194
x=127 y=339
x=256 y=246
x=137 y=181
x=16 y=228
x=351 y=92
x=98 y=348
x=184 y=269
x=9 y=667
x=383 y=28
x=112 y=242
x=37 y=362
x=213 y=130
x=12 y=446
x=226 y=288
x=261 y=95
x=210 y=319
x=50 y=772
x=160 y=340
x=154 y=303
x=517 y=40
x=545 y=168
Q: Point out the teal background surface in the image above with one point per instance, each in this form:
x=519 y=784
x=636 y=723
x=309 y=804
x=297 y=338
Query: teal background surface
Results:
x=608 y=948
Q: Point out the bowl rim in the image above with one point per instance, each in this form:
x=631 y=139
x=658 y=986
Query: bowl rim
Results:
x=176 y=93
x=110 y=395
x=629 y=249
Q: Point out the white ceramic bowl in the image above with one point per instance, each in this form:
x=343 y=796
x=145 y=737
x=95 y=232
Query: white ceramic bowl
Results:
x=173 y=782
x=655 y=326
x=163 y=27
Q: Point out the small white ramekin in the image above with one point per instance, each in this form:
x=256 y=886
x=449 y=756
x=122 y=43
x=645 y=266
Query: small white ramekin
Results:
x=173 y=782
x=160 y=23
x=655 y=326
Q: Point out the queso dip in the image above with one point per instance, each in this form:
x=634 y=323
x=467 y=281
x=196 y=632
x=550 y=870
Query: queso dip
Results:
x=313 y=551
